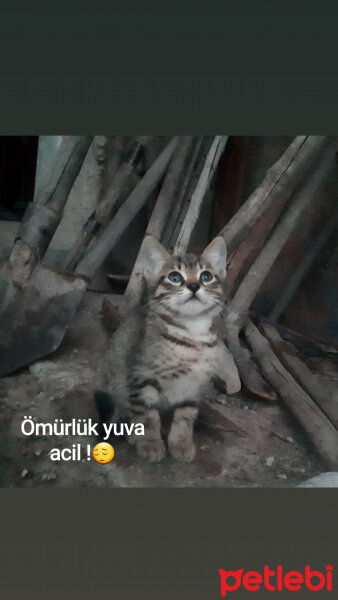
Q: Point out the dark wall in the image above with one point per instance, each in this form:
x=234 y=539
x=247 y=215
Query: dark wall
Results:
x=17 y=174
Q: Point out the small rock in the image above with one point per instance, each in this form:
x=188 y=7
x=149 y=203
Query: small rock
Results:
x=24 y=473
x=48 y=476
x=290 y=439
x=204 y=447
x=269 y=461
x=38 y=452
x=282 y=476
x=246 y=407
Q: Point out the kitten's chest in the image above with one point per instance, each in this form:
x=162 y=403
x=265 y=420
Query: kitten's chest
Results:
x=184 y=372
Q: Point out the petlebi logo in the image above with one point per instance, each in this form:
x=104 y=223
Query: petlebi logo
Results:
x=276 y=579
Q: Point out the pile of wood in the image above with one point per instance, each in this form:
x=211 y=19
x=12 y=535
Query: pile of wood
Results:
x=255 y=236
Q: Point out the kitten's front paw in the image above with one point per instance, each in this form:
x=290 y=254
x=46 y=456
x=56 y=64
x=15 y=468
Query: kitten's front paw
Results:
x=183 y=450
x=152 y=450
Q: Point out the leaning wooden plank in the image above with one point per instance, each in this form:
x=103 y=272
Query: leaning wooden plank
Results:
x=328 y=402
x=316 y=424
x=119 y=189
x=263 y=263
x=114 y=195
x=159 y=215
x=303 y=268
x=281 y=179
x=117 y=147
x=43 y=215
x=240 y=304
x=191 y=176
x=111 y=234
x=306 y=345
x=199 y=194
x=243 y=257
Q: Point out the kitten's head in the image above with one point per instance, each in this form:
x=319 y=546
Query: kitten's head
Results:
x=187 y=285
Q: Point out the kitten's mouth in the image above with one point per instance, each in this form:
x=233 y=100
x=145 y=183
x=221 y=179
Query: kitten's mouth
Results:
x=193 y=297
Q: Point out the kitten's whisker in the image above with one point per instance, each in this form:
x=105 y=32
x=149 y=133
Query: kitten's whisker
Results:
x=155 y=300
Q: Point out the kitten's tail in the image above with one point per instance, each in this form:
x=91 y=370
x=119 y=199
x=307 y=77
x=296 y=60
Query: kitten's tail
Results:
x=105 y=406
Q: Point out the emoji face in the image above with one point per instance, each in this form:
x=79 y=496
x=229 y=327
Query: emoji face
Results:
x=103 y=452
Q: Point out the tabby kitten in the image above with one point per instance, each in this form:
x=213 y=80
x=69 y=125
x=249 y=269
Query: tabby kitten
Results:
x=167 y=358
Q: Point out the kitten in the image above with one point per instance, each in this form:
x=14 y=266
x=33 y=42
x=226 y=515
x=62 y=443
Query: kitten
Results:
x=167 y=358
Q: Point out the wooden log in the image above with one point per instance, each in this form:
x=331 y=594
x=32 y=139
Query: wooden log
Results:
x=263 y=263
x=117 y=147
x=113 y=197
x=306 y=345
x=199 y=194
x=240 y=304
x=191 y=176
x=110 y=235
x=68 y=162
x=303 y=375
x=316 y=424
x=243 y=257
x=122 y=183
x=43 y=215
x=303 y=268
x=281 y=179
x=249 y=375
x=159 y=216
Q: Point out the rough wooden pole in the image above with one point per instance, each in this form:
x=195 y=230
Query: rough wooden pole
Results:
x=282 y=178
x=316 y=424
x=328 y=402
x=122 y=183
x=263 y=263
x=120 y=188
x=240 y=304
x=199 y=194
x=303 y=268
x=108 y=238
x=191 y=176
x=157 y=222
x=43 y=215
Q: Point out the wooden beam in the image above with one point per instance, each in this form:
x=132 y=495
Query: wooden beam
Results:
x=43 y=215
x=327 y=401
x=108 y=238
x=267 y=256
x=199 y=194
x=305 y=265
x=250 y=285
x=113 y=197
x=281 y=179
x=316 y=424
x=159 y=216
x=191 y=176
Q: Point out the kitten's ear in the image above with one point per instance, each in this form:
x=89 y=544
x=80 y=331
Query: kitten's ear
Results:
x=154 y=256
x=216 y=255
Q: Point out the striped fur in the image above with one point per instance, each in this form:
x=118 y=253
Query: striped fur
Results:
x=167 y=358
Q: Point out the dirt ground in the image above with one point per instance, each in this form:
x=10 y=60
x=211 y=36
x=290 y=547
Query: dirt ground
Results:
x=259 y=445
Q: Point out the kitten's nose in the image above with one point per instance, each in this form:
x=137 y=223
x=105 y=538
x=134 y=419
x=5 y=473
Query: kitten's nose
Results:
x=194 y=287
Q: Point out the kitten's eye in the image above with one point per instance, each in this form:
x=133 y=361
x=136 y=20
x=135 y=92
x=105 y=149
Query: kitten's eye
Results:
x=175 y=277
x=205 y=276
